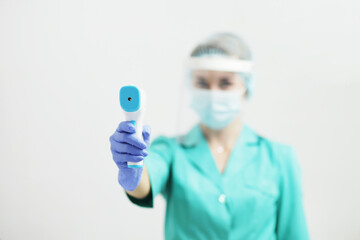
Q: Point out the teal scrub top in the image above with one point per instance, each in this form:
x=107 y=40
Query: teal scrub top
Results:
x=257 y=197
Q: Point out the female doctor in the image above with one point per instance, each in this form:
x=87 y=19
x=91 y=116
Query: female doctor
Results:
x=221 y=180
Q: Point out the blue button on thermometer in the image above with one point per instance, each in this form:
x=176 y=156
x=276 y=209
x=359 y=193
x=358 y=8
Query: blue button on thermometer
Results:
x=133 y=102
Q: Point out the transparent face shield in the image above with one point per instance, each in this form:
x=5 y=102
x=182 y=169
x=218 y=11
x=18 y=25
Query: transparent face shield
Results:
x=211 y=82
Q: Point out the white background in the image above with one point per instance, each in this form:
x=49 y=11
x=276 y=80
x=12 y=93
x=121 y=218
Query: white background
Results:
x=62 y=64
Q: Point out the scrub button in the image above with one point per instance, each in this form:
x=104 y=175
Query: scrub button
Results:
x=222 y=198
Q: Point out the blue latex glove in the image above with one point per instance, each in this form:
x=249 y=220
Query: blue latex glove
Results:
x=127 y=147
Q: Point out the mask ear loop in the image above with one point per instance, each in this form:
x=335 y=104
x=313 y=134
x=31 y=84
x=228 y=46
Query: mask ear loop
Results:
x=249 y=83
x=243 y=90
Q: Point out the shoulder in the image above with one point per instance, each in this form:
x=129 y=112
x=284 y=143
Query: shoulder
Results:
x=281 y=154
x=162 y=144
x=271 y=144
x=162 y=140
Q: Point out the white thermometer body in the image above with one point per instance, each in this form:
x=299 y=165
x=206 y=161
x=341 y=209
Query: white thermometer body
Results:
x=133 y=103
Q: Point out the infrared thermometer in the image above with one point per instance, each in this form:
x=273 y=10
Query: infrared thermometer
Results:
x=133 y=103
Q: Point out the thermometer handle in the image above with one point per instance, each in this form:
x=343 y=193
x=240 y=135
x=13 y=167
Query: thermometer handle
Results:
x=138 y=126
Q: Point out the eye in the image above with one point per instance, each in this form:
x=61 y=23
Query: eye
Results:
x=225 y=82
x=201 y=83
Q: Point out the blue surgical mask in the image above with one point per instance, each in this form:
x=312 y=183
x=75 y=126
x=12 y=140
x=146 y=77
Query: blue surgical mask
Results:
x=216 y=108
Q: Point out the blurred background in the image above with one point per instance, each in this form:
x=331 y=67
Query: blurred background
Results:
x=62 y=64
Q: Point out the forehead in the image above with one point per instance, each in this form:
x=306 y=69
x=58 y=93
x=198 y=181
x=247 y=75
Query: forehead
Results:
x=209 y=73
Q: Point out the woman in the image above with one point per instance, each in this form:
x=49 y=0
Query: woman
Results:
x=221 y=180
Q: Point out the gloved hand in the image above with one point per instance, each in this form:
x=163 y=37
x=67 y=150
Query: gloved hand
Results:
x=127 y=147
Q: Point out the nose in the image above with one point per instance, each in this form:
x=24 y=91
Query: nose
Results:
x=213 y=85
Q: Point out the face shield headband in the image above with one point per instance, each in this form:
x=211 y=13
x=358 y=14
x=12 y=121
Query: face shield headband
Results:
x=216 y=63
